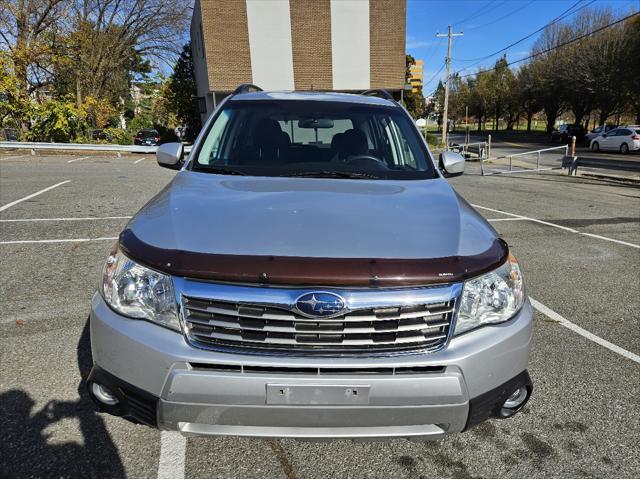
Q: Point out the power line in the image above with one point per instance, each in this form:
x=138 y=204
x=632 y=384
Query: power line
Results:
x=434 y=75
x=475 y=13
x=563 y=15
x=502 y=17
x=560 y=45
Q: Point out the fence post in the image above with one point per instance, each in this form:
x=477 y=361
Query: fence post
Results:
x=33 y=152
x=489 y=146
x=510 y=162
x=538 y=162
x=573 y=146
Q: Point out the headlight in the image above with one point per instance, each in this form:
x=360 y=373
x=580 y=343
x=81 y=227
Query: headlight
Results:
x=138 y=292
x=494 y=297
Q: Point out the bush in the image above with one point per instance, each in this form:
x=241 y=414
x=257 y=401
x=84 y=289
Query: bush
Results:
x=118 y=136
x=57 y=121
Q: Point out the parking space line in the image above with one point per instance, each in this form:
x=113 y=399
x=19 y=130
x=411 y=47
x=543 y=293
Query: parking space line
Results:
x=88 y=218
x=13 y=157
x=506 y=219
x=78 y=159
x=138 y=161
x=611 y=239
x=69 y=240
x=13 y=203
x=173 y=446
x=547 y=223
x=583 y=332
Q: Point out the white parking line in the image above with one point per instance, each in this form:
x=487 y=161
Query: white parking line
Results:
x=506 y=219
x=173 y=447
x=78 y=159
x=547 y=223
x=138 y=161
x=69 y=240
x=13 y=157
x=583 y=332
x=88 y=218
x=13 y=203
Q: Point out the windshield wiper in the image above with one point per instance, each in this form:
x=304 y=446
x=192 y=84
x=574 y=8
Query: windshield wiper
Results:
x=220 y=170
x=333 y=174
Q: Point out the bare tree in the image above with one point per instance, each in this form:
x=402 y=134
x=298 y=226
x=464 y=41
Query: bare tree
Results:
x=114 y=37
x=28 y=30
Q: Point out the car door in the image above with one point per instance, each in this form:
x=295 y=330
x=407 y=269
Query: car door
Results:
x=608 y=142
x=623 y=137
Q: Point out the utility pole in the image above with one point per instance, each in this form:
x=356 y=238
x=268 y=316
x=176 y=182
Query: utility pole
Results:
x=445 y=125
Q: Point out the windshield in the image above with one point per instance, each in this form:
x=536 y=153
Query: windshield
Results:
x=314 y=139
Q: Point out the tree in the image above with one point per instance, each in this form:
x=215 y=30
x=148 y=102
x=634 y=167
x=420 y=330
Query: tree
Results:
x=526 y=94
x=181 y=92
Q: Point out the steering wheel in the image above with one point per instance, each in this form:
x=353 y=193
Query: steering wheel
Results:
x=355 y=158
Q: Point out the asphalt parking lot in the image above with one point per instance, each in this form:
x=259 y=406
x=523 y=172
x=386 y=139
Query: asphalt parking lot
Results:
x=577 y=239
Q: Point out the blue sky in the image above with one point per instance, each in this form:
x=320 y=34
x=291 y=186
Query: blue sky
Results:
x=488 y=26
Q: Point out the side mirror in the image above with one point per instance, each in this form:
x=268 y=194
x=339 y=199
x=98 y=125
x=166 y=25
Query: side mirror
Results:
x=170 y=155
x=451 y=163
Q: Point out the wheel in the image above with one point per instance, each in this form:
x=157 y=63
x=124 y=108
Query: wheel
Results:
x=595 y=146
x=624 y=148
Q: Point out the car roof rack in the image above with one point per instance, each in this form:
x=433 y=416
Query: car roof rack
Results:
x=246 y=88
x=379 y=93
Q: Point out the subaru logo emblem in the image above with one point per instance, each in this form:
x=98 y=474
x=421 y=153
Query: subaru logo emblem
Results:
x=320 y=305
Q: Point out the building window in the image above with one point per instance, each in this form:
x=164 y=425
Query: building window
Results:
x=202 y=105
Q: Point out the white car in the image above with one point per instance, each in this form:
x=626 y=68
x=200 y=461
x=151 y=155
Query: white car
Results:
x=623 y=139
x=593 y=134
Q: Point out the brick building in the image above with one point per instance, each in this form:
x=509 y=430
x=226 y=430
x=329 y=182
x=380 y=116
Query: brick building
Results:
x=340 y=45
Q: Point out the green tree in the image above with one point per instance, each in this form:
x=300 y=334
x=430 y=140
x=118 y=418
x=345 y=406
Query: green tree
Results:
x=181 y=93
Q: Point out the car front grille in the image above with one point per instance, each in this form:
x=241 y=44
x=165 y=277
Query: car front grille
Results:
x=396 y=322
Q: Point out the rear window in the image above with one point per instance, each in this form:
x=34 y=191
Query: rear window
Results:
x=312 y=138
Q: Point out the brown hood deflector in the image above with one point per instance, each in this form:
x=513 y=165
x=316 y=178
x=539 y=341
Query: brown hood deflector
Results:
x=309 y=271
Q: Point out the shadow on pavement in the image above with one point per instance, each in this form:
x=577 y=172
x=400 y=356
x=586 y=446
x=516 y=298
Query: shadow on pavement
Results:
x=25 y=449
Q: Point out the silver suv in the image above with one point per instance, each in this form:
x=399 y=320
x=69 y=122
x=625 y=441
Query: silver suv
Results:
x=310 y=273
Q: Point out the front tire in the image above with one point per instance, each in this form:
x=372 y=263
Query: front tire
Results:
x=624 y=148
x=595 y=146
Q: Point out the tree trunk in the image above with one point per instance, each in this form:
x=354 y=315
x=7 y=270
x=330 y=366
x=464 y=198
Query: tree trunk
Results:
x=529 y=118
x=603 y=117
x=551 y=121
x=78 y=92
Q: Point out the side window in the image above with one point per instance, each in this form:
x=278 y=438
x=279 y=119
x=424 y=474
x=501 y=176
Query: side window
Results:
x=401 y=152
x=625 y=132
x=211 y=149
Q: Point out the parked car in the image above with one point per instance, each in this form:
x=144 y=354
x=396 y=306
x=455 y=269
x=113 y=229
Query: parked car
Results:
x=147 y=137
x=623 y=139
x=310 y=273
x=564 y=133
x=596 y=132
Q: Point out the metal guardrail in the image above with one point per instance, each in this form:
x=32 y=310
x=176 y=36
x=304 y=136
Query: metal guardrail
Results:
x=119 y=149
x=621 y=165
x=479 y=148
x=524 y=153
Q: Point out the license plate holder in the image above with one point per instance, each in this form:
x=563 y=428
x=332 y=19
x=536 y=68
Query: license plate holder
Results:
x=318 y=395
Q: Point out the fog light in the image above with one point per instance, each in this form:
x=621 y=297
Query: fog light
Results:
x=518 y=398
x=102 y=394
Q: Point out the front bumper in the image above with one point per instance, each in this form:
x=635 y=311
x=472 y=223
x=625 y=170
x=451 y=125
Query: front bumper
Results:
x=164 y=382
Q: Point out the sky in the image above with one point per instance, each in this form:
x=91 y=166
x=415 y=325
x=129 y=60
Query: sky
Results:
x=488 y=26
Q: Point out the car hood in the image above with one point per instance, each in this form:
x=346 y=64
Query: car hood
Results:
x=341 y=219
